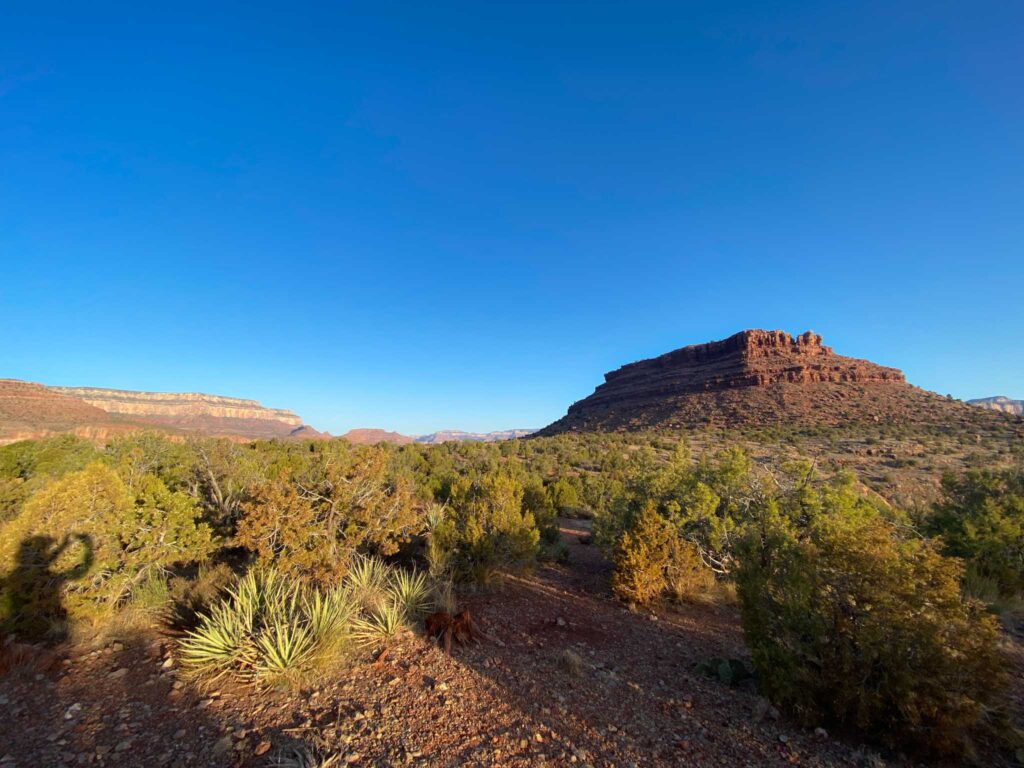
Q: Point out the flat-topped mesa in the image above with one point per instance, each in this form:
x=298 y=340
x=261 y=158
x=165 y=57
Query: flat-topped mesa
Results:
x=755 y=378
x=172 y=405
x=753 y=358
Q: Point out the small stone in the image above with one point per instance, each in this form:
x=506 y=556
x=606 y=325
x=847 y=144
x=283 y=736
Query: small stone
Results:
x=168 y=664
x=783 y=738
x=560 y=621
x=262 y=748
x=118 y=674
x=73 y=710
x=223 y=745
x=123 y=745
x=820 y=732
x=180 y=734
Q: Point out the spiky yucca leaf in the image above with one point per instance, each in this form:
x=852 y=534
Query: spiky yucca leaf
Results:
x=223 y=640
x=410 y=591
x=329 y=614
x=367 y=582
x=382 y=626
x=285 y=648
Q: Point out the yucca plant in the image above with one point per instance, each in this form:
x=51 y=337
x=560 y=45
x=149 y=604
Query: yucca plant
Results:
x=382 y=626
x=306 y=757
x=268 y=627
x=444 y=596
x=367 y=582
x=223 y=639
x=410 y=591
x=284 y=649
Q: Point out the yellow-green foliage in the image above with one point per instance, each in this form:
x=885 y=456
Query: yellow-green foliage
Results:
x=272 y=627
x=851 y=624
x=687 y=577
x=311 y=526
x=981 y=519
x=642 y=558
x=82 y=543
x=485 y=529
x=269 y=627
x=652 y=560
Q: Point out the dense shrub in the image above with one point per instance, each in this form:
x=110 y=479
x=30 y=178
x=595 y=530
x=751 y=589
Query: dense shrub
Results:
x=484 y=529
x=311 y=526
x=852 y=625
x=642 y=558
x=83 y=543
x=980 y=518
x=30 y=465
x=653 y=560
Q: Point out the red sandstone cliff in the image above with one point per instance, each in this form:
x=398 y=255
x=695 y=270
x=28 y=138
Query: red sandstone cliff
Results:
x=755 y=378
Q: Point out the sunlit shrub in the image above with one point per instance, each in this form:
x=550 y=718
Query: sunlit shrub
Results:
x=642 y=558
x=311 y=526
x=485 y=530
x=851 y=625
x=653 y=560
x=83 y=544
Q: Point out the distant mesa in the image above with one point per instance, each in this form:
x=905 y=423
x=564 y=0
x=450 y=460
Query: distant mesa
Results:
x=374 y=436
x=456 y=436
x=29 y=410
x=1000 y=403
x=755 y=378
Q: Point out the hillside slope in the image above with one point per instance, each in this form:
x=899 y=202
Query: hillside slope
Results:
x=29 y=410
x=761 y=378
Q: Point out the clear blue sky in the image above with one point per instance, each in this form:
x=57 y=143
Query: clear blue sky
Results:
x=428 y=215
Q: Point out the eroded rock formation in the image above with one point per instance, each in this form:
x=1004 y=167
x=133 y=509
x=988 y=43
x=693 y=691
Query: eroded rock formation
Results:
x=753 y=378
x=1000 y=403
x=177 y=405
x=29 y=410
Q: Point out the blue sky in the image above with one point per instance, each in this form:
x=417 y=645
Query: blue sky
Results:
x=432 y=215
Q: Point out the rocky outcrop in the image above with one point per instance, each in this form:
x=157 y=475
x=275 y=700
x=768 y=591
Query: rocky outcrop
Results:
x=754 y=378
x=999 y=403
x=29 y=410
x=187 y=405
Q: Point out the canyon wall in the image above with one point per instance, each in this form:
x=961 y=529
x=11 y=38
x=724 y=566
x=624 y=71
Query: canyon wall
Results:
x=187 y=405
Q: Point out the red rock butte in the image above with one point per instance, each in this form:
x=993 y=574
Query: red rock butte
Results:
x=754 y=378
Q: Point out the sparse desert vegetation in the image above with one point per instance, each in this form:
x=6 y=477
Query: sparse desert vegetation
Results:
x=291 y=566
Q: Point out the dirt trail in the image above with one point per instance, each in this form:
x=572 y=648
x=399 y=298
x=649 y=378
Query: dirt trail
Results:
x=574 y=678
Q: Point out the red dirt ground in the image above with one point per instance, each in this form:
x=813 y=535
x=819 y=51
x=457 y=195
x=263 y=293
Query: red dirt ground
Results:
x=628 y=696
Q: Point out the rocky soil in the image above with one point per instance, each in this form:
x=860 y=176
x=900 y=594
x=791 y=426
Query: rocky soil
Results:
x=571 y=678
